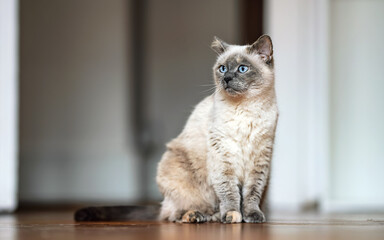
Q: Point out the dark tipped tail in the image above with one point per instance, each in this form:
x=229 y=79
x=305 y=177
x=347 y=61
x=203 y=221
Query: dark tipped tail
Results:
x=117 y=213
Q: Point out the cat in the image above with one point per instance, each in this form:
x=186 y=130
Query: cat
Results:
x=218 y=168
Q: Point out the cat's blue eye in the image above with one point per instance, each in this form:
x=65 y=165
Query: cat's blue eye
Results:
x=223 y=69
x=242 y=68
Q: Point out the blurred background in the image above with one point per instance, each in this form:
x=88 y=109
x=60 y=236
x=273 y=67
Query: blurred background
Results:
x=91 y=90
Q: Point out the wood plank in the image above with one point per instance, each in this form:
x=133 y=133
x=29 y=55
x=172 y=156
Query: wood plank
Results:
x=59 y=225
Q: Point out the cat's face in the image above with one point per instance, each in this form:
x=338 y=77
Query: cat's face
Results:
x=243 y=70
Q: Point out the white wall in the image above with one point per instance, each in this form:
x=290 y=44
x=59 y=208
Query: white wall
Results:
x=329 y=80
x=357 y=106
x=8 y=104
x=299 y=33
x=75 y=129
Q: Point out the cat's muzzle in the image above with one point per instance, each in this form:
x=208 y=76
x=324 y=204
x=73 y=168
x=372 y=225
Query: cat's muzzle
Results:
x=232 y=87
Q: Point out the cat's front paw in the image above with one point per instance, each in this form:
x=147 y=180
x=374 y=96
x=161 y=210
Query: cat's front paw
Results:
x=255 y=216
x=232 y=217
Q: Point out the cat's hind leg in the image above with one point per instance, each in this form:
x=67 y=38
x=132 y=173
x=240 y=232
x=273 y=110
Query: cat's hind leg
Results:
x=187 y=196
x=171 y=212
x=193 y=216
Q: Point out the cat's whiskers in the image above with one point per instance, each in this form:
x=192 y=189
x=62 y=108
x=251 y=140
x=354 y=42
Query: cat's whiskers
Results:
x=218 y=90
x=209 y=90
x=212 y=88
x=207 y=85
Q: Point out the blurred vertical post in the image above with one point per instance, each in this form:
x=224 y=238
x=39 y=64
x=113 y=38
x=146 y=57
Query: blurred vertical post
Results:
x=251 y=15
x=139 y=100
x=8 y=104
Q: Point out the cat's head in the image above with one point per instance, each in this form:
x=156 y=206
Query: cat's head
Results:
x=244 y=70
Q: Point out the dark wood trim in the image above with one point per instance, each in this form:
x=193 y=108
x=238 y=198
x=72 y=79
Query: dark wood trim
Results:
x=138 y=82
x=251 y=20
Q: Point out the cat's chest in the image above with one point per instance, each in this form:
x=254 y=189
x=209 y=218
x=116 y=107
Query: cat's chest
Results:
x=244 y=126
x=243 y=131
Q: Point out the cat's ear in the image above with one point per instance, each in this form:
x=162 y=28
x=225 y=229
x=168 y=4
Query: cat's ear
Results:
x=263 y=46
x=219 y=46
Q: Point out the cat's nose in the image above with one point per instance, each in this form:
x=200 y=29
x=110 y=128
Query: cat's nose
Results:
x=227 y=79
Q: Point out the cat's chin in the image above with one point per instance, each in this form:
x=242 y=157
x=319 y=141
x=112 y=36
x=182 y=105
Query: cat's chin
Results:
x=232 y=92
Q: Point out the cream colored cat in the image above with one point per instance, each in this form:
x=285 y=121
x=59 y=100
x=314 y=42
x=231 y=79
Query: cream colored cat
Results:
x=218 y=167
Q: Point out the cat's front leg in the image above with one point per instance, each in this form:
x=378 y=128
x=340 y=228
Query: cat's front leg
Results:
x=254 y=185
x=252 y=194
x=225 y=183
x=227 y=190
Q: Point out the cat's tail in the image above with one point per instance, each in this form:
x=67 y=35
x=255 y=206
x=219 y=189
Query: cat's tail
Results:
x=117 y=213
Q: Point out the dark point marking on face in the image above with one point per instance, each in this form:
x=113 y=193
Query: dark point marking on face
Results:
x=233 y=81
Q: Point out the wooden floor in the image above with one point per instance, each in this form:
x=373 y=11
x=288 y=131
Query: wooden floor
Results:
x=59 y=225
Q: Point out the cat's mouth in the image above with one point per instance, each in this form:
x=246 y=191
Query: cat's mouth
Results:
x=232 y=88
x=231 y=91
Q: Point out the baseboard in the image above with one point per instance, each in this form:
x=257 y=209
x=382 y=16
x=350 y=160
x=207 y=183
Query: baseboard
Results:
x=8 y=202
x=342 y=206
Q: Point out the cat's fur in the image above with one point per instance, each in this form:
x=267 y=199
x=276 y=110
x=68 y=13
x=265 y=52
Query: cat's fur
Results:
x=218 y=167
